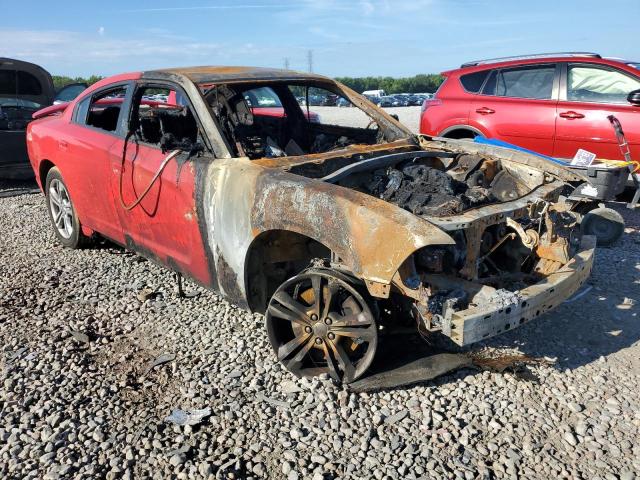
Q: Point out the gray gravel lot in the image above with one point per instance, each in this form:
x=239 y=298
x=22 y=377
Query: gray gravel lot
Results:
x=409 y=116
x=78 y=399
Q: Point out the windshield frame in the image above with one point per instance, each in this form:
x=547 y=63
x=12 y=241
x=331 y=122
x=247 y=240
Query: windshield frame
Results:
x=391 y=129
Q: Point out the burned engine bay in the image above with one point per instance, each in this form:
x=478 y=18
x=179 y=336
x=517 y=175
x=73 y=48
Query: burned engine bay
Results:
x=524 y=232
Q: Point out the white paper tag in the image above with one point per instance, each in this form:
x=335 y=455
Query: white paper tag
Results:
x=583 y=158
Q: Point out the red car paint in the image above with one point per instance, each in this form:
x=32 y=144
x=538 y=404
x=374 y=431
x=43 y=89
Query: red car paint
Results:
x=87 y=155
x=553 y=126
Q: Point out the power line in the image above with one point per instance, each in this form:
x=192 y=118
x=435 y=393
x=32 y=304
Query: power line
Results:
x=310 y=60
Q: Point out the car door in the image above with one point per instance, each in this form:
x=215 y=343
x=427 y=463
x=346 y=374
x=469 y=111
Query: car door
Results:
x=86 y=147
x=518 y=105
x=589 y=94
x=154 y=186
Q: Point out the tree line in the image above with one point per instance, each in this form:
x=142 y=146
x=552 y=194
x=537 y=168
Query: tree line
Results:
x=424 y=83
x=60 y=81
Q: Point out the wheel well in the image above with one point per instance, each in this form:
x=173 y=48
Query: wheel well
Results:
x=273 y=257
x=43 y=170
x=459 y=133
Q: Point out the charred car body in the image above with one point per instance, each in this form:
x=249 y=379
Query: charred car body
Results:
x=331 y=228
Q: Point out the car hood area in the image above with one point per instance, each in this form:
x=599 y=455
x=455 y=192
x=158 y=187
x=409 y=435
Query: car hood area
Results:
x=436 y=180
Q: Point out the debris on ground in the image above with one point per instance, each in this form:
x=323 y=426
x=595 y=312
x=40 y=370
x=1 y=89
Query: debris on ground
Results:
x=158 y=361
x=80 y=336
x=272 y=401
x=188 y=417
x=420 y=370
x=507 y=363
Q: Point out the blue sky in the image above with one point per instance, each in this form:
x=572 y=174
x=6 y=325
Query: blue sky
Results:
x=348 y=38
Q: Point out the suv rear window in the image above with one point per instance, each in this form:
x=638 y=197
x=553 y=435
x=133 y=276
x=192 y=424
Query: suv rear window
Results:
x=472 y=82
x=14 y=82
x=522 y=82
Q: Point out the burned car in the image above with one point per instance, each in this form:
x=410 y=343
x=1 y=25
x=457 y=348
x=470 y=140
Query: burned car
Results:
x=336 y=225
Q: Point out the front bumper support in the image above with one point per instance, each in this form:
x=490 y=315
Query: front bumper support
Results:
x=482 y=322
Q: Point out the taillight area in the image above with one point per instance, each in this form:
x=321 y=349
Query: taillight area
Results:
x=430 y=102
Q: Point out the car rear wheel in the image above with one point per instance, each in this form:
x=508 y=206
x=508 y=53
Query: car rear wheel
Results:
x=319 y=322
x=62 y=213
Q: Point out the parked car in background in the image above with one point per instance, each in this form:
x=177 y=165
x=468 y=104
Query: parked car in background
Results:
x=373 y=99
x=403 y=100
x=374 y=93
x=553 y=104
x=330 y=228
x=24 y=89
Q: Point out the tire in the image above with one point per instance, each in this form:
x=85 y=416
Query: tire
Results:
x=318 y=322
x=605 y=224
x=62 y=213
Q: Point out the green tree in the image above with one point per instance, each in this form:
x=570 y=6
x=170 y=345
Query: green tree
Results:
x=60 y=81
x=424 y=83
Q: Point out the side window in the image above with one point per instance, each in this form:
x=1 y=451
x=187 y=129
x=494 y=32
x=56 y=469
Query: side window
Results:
x=523 y=82
x=160 y=123
x=104 y=109
x=263 y=97
x=323 y=109
x=80 y=115
x=472 y=82
x=599 y=85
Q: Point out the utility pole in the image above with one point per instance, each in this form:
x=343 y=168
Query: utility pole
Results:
x=310 y=60
x=286 y=63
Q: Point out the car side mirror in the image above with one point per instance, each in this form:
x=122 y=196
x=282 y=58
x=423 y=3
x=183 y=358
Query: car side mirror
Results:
x=634 y=97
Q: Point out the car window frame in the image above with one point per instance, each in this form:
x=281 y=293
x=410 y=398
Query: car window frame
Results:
x=564 y=81
x=82 y=122
x=555 y=88
x=142 y=84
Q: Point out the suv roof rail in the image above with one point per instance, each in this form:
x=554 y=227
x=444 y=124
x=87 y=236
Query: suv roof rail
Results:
x=532 y=56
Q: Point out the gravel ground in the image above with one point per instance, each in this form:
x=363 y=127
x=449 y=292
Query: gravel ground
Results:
x=79 y=399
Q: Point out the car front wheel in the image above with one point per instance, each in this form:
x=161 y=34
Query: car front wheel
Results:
x=318 y=322
x=62 y=213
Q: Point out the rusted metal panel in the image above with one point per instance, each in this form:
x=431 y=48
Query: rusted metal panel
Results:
x=478 y=323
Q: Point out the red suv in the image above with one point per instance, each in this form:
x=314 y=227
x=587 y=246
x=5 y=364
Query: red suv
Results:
x=553 y=104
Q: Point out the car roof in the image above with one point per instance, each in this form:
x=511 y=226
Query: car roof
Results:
x=217 y=74
x=497 y=63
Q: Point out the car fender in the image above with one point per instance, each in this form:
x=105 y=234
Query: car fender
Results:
x=478 y=130
x=242 y=200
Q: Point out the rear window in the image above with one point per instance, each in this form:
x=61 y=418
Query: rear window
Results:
x=472 y=82
x=524 y=82
x=19 y=83
x=7 y=82
x=28 y=84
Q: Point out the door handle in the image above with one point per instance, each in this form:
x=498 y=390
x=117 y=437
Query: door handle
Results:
x=485 y=111
x=571 y=115
x=62 y=144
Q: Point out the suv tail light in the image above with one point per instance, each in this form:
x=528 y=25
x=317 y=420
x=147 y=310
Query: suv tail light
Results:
x=430 y=102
